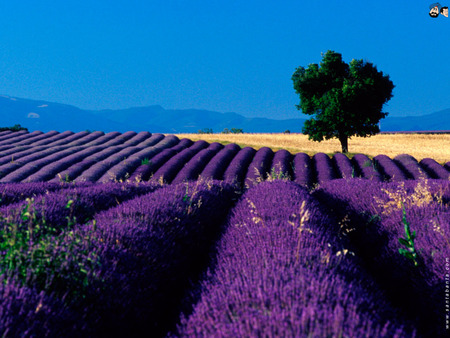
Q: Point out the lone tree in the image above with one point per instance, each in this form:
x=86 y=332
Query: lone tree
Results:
x=346 y=99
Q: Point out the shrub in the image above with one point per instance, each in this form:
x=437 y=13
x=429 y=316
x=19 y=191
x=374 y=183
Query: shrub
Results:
x=205 y=131
x=16 y=127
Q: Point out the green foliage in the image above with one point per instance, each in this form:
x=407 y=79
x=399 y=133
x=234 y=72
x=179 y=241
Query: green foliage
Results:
x=205 y=131
x=42 y=256
x=277 y=174
x=65 y=179
x=16 y=127
x=145 y=161
x=408 y=242
x=232 y=131
x=346 y=99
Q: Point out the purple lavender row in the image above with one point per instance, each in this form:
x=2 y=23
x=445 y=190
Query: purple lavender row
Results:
x=235 y=173
x=86 y=140
x=411 y=167
x=69 y=139
x=154 y=248
x=197 y=163
x=52 y=138
x=17 y=138
x=219 y=163
x=16 y=192
x=259 y=168
x=97 y=170
x=344 y=165
x=145 y=171
x=27 y=312
x=12 y=154
x=88 y=199
x=324 y=168
x=372 y=215
x=303 y=170
x=8 y=134
x=447 y=166
x=77 y=169
x=52 y=169
x=282 y=272
x=123 y=169
x=32 y=140
x=20 y=171
x=120 y=139
x=365 y=168
x=152 y=140
x=170 y=169
x=434 y=169
x=14 y=164
x=139 y=138
x=282 y=164
x=103 y=139
x=389 y=168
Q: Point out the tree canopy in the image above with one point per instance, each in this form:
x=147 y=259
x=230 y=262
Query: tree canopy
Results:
x=345 y=99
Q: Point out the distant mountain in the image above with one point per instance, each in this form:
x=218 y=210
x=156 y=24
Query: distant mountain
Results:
x=46 y=116
x=435 y=121
x=193 y=120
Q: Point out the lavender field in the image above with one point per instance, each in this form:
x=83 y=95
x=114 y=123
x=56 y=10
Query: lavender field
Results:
x=118 y=234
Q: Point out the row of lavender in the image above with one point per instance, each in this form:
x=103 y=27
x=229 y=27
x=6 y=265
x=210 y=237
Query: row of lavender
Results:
x=282 y=271
x=99 y=157
x=329 y=263
x=64 y=273
x=116 y=259
x=401 y=230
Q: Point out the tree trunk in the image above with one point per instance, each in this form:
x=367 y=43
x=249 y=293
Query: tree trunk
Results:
x=344 y=143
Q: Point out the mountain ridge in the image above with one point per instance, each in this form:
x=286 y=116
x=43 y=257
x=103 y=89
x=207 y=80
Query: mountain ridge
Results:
x=45 y=116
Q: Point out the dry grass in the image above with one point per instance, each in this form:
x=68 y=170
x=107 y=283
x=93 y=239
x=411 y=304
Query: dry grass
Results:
x=435 y=146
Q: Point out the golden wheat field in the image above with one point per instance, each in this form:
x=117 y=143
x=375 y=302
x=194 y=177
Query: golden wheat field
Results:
x=420 y=146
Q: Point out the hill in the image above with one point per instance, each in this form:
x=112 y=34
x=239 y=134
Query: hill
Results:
x=436 y=121
x=46 y=116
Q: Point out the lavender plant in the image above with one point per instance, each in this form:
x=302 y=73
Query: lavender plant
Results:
x=434 y=169
x=389 y=169
x=282 y=271
x=357 y=200
x=197 y=163
x=343 y=165
x=155 y=246
x=235 y=173
x=170 y=169
x=303 y=170
x=259 y=167
x=219 y=163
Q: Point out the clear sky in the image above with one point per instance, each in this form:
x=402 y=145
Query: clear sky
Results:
x=225 y=56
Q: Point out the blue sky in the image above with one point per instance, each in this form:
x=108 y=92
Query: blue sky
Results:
x=225 y=56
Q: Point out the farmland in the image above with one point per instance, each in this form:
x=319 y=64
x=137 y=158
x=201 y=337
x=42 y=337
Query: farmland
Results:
x=436 y=146
x=99 y=157
x=118 y=234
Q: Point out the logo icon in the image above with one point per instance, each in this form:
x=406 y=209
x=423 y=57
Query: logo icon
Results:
x=436 y=9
